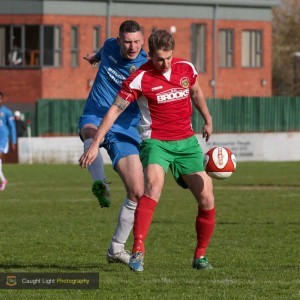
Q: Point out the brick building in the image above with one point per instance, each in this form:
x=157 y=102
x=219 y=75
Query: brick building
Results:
x=42 y=43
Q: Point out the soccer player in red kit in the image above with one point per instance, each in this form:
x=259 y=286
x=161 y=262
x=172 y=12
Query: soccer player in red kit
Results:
x=166 y=88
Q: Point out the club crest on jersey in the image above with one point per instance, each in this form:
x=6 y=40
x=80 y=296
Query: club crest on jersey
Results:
x=184 y=82
x=132 y=69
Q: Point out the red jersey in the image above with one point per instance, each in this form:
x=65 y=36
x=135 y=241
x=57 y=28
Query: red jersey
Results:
x=164 y=99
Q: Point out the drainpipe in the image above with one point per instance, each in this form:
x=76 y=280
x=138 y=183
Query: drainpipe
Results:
x=109 y=4
x=214 y=57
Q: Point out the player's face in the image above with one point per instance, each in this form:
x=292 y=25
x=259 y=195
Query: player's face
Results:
x=161 y=60
x=131 y=44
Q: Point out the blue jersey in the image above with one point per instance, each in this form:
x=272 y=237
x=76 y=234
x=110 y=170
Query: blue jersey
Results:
x=112 y=71
x=7 y=126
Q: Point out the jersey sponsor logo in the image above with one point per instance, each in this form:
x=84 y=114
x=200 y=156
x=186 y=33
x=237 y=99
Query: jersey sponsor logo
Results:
x=115 y=76
x=172 y=95
x=157 y=88
x=113 y=59
x=132 y=69
x=184 y=82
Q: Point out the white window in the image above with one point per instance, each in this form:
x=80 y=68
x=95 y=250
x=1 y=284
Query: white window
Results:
x=252 y=48
x=74 y=46
x=199 y=46
x=226 y=48
x=96 y=38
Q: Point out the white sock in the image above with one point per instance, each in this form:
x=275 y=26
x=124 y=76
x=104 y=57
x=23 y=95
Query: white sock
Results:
x=96 y=169
x=1 y=173
x=124 y=226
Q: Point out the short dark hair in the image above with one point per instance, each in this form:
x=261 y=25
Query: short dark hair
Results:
x=161 y=39
x=129 y=26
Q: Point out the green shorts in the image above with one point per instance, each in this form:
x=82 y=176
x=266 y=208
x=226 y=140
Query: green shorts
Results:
x=182 y=157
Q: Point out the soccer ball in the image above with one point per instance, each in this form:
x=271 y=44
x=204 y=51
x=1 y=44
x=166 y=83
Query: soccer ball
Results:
x=219 y=163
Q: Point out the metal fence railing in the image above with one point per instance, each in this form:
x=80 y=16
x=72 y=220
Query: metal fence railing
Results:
x=252 y=114
x=239 y=114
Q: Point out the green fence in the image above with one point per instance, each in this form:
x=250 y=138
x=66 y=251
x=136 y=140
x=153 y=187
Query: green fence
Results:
x=58 y=117
x=252 y=114
x=239 y=114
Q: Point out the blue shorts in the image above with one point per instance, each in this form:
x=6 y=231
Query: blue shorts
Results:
x=120 y=141
x=4 y=145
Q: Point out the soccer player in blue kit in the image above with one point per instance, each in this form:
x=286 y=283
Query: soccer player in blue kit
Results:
x=7 y=130
x=119 y=57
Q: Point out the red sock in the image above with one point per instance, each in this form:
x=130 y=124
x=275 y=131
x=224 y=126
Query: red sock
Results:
x=205 y=224
x=142 y=221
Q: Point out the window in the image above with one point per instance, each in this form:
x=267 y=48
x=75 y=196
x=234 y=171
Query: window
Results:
x=252 y=48
x=30 y=46
x=96 y=39
x=74 y=46
x=226 y=48
x=52 y=46
x=198 y=46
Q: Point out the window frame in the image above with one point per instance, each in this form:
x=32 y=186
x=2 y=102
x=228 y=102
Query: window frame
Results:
x=96 y=38
x=253 y=56
x=198 y=45
x=228 y=53
x=31 y=57
x=74 y=46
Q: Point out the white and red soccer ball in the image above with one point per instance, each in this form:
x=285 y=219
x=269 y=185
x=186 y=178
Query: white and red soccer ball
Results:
x=219 y=162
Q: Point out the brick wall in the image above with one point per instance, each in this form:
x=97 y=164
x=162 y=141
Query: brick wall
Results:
x=28 y=85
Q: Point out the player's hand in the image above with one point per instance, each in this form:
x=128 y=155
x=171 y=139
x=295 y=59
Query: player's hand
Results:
x=89 y=156
x=13 y=147
x=91 y=58
x=207 y=131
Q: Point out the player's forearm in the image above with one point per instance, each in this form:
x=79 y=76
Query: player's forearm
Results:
x=200 y=103
x=13 y=132
x=206 y=115
x=202 y=108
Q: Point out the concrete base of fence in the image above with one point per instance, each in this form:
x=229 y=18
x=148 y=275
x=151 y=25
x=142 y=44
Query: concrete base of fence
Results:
x=53 y=150
x=247 y=147
x=282 y=146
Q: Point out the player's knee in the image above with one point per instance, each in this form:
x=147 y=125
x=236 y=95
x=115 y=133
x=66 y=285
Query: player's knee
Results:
x=88 y=133
x=206 y=201
x=135 y=194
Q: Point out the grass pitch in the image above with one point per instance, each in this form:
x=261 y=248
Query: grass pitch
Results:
x=50 y=222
